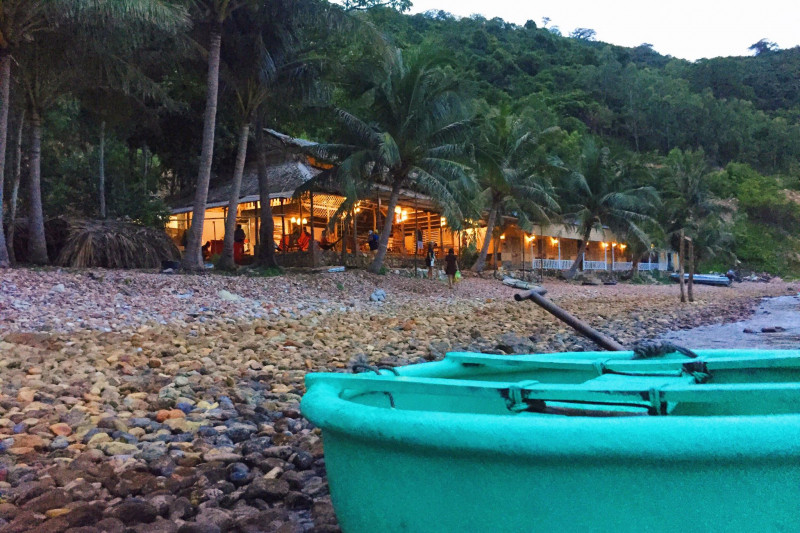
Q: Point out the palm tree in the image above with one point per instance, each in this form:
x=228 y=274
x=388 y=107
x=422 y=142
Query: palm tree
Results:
x=269 y=67
x=599 y=191
x=49 y=66
x=412 y=138
x=21 y=21
x=214 y=13
x=504 y=176
x=691 y=210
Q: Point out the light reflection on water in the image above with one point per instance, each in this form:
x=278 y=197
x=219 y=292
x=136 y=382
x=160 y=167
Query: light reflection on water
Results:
x=781 y=312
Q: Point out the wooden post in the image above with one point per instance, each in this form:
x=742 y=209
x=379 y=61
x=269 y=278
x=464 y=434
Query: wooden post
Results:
x=416 y=235
x=690 y=261
x=681 y=257
x=355 y=232
x=258 y=223
x=578 y=325
x=311 y=224
x=283 y=227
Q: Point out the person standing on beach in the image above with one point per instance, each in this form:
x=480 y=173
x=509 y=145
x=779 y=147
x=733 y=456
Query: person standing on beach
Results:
x=430 y=259
x=451 y=267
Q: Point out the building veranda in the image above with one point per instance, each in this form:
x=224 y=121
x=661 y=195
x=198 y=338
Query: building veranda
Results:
x=312 y=229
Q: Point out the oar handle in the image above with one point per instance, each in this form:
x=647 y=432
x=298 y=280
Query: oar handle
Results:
x=581 y=327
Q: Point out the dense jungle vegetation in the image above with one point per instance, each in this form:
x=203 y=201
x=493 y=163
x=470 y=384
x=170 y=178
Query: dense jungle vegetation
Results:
x=108 y=115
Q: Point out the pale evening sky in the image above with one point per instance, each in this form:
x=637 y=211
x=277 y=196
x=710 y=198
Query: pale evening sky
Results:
x=680 y=28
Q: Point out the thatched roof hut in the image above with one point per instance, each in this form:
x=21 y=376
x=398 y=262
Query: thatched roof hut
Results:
x=86 y=243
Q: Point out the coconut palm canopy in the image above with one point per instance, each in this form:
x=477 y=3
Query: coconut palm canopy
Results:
x=598 y=191
x=505 y=174
x=412 y=138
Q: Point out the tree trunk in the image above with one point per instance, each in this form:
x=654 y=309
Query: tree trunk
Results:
x=37 y=245
x=102 y=170
x=226 y=262
x=145 y=166
x=193 y=259
x=480 y=264
x=573 y=270
x=635 y=267
x=383 y=244
x=266 y=251
x=681 y=257
x=5 y=86
x=15 y=188
x=690 y=258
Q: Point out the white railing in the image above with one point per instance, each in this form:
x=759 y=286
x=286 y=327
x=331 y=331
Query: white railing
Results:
x=595 y=265
x=552 y=264
x=649 y=266
x=620 y=266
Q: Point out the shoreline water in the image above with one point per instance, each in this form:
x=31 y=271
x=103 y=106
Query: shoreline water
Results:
x=775 y=324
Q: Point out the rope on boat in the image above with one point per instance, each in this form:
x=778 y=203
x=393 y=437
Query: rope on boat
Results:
x=648 y=349
x=359 y=367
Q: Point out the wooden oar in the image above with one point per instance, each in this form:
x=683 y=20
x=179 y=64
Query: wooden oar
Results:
x=578 y=325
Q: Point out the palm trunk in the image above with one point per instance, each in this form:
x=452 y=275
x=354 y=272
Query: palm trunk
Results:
x=573 y=270
x=266 y=252
x=690 y=258
x=193 y=259
x=102 y=170
x=5 y=86
x=37 y=245
x=226 y=262
x=635 y=267
x=15 y=188
x=681 y=257
x=480 y=264
x=383 y=244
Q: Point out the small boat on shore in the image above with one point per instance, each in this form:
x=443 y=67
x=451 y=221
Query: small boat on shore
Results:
x=582 y=441
x=705 y=279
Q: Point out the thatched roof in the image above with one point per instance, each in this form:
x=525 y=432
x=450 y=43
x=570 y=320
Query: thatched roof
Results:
x=289 y=167
x=83 y=243
x=284 y=178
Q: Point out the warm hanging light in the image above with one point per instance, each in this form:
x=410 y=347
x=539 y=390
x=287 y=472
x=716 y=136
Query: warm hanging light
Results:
x=553 y=241
x=358 y=209
x=294 y=220
x=622 y=246
x=397 y=209
x=604 y=244
x=305 y=221
x=503 y=237
x=613 y=244
x=443 y=221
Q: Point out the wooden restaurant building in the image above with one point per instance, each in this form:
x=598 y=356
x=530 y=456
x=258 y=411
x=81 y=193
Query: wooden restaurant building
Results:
x=551 y=248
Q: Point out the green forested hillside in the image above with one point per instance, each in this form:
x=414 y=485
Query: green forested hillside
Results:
x=741 y=109
x=121 y=114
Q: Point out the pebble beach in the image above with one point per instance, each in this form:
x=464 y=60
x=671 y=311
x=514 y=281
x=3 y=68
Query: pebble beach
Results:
x=144 y=402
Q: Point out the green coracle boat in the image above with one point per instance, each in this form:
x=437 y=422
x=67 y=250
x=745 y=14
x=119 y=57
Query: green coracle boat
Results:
x=571 y=442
